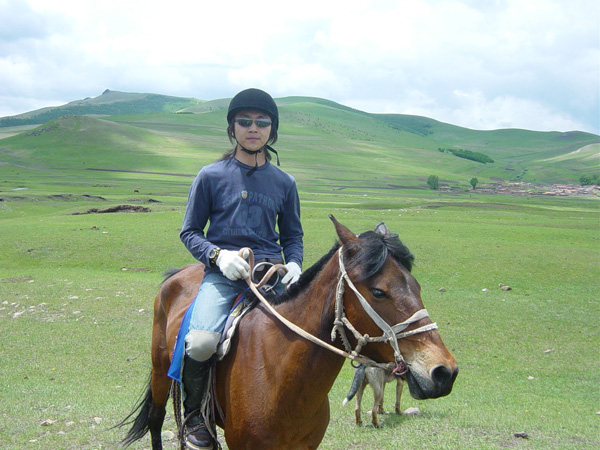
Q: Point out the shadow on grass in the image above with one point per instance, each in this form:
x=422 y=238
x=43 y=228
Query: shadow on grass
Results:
x=393 y=420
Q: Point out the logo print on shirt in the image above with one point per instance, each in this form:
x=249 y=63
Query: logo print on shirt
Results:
x=244 y=195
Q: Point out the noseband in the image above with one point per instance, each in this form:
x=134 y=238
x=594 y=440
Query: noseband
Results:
x=390 y=335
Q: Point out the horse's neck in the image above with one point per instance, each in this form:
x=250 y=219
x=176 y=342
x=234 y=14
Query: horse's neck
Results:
x=313 y=310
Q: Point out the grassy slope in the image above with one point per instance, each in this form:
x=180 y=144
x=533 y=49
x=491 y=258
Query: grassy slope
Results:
x=316 y=134
x=407 y=145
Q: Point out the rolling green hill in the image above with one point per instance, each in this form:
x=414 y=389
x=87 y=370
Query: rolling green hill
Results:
x=322 y=143
x=110 y=103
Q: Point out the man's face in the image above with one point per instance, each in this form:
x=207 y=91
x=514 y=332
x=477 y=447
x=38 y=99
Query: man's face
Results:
x=251 y=135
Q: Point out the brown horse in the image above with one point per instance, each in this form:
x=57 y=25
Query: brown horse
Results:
x=273 y=385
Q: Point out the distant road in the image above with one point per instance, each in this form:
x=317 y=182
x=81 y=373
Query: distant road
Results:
x=141 y=171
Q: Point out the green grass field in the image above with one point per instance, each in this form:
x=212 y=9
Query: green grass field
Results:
x=76 y=299
x=76 y=289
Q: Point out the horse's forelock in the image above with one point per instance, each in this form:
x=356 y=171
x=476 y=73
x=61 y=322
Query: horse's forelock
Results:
x=399 y=251
x=370 y=254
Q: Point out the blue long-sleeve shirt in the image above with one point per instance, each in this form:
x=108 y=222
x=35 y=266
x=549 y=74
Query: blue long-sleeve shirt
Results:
x=261 y=211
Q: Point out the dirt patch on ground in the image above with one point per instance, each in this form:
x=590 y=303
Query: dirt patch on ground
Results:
x=74 y=197
x=17 y=279
x=115 y=209
x=93 y=197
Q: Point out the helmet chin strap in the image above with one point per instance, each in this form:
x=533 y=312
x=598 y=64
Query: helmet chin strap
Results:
x=255 y=153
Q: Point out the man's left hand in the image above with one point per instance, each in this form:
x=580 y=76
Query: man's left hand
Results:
x=293 y=273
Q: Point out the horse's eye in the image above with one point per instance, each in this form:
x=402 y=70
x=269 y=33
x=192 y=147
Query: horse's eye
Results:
x=377 y=293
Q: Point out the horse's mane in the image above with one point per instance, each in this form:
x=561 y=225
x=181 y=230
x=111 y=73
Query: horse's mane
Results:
x=370 y=254
x=306 y=278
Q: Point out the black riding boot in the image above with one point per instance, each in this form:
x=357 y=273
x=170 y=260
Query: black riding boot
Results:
x=195 y=384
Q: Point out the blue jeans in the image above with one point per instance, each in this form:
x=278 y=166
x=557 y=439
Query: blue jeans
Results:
x=214 y=301
x=209 y=315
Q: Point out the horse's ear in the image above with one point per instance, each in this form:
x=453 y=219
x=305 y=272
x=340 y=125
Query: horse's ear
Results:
x=382 y=229
x=346 y=236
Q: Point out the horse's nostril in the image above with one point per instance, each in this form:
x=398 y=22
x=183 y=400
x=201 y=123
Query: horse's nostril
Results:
x=441 y=375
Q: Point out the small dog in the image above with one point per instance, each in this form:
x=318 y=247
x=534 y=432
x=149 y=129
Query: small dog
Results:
x=377 y=378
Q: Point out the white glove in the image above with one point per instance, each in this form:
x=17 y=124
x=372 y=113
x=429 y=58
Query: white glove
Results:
x=232 y=265
x=292 y=274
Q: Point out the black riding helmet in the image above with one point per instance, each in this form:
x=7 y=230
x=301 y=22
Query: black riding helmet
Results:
x=254 y=99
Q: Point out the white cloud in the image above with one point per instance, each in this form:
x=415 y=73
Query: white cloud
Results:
x=474 y=63
x=507 y=112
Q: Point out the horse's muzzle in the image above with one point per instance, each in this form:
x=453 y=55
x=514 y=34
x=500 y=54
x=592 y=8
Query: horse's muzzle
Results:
x=439 y=385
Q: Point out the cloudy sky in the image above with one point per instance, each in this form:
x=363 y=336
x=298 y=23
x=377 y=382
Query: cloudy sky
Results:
x=482 y=64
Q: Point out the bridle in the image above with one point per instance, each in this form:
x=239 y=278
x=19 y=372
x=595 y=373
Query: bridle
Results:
x=390 y=335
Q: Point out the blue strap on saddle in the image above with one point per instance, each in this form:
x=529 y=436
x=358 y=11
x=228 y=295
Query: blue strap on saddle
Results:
x=177 y=359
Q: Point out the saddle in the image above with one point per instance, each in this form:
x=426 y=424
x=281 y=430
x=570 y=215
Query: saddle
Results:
x=244 y=303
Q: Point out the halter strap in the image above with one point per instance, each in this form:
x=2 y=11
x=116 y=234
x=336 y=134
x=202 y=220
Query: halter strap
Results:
x=255 y=153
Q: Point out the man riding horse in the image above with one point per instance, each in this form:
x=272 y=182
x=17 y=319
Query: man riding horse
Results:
x=247 y=202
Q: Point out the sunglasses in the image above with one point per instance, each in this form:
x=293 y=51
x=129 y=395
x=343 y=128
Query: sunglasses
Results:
x=247 y=123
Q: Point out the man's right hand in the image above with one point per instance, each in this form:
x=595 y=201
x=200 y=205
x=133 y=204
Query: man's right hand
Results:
x=232 y=265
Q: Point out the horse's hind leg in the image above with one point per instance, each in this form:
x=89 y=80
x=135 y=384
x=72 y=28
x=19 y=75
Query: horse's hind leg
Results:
x=161 y=385
x=359 y=394
x=377 y=380
x=149 y=413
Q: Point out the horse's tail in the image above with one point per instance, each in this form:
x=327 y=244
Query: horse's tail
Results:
x=359 y=376
x=141 y=422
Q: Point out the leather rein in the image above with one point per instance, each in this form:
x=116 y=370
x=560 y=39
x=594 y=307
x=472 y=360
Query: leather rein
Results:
x=390 y=335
